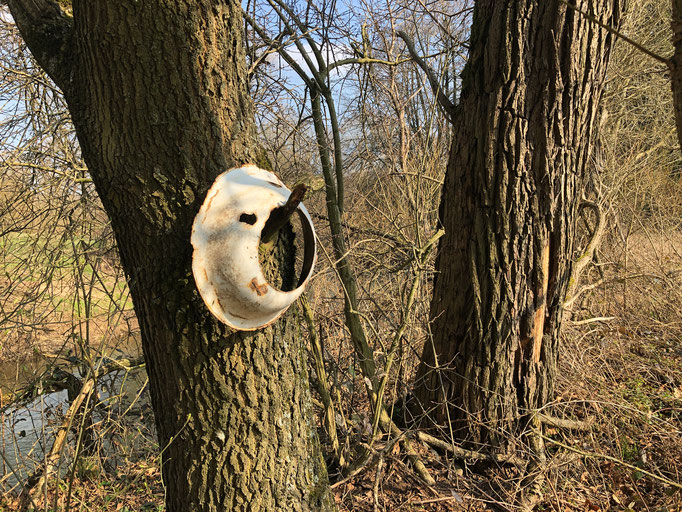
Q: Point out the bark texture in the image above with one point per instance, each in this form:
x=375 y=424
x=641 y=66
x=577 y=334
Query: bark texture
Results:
x=158 y=94
x=675 y=66
x=522 y=136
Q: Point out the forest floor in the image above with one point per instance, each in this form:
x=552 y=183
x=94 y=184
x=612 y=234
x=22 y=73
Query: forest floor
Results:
x=620 y=371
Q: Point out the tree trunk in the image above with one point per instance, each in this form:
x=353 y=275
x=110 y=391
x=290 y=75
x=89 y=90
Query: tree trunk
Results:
x=158 y=94
x=675 y=66
x=522 y=137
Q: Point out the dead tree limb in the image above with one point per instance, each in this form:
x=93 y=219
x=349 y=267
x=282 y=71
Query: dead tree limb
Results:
x=436 y=86
x=465 y=454
x=588 y=254
x=36 y=482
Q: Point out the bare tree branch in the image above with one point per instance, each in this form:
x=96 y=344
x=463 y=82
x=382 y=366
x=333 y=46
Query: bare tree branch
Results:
x=437 y=87
x=588 y=254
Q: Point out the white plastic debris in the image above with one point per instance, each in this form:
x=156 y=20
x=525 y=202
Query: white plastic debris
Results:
x=226 y=235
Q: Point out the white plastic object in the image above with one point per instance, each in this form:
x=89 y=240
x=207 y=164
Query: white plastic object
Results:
x=226 y=235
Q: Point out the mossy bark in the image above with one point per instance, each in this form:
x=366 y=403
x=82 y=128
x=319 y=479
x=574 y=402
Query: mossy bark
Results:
x=158 y=94
x=522 y=139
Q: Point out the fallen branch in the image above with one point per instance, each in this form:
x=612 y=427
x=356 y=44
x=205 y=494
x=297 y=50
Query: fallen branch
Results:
x=414 y=458
x=593 y=320
x=37 y=481
x=563 y=423
x=463 y=453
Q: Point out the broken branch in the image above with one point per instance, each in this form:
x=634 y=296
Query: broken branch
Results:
x=468 y=454
x=281 y=215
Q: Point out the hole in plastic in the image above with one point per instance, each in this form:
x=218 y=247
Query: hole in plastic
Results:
x=248 y=218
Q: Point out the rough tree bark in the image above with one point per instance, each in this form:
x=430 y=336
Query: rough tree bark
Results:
x=675 y=66
x=522 y=137
x=158 y=94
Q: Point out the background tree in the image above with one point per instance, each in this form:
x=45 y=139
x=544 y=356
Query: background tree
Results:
x=157 y=92
x=523 y=133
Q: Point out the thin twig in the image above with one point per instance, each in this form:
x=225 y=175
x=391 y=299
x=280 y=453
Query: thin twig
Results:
x=617 y=33
x=364 y=231
x=614 y=460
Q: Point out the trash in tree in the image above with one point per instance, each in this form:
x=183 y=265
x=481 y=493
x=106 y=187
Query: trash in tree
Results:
x=226 y=235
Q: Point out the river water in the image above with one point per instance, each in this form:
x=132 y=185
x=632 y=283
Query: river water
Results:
x=122 y=422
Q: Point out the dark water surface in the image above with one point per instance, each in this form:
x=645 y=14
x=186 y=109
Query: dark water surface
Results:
x=122 y=420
